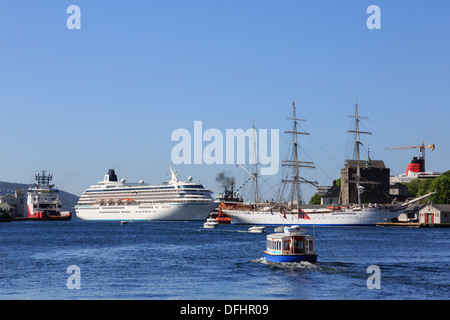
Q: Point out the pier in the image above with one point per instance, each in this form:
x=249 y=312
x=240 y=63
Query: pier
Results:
x=413 y=225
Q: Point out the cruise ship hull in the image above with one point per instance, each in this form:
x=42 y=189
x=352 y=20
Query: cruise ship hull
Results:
x=363 y=217
x=147 y=212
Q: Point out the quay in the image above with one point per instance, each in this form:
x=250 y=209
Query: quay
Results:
x=413 y=225
x=429 y=216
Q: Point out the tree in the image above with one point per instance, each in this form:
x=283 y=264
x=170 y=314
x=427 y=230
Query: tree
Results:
x=315 y=199
x=441 y=185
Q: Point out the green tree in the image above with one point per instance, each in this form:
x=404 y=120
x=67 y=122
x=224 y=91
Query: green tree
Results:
x=442 y=187
x=413 y=187
x=315 y=199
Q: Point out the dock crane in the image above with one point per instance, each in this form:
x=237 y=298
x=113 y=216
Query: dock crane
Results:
x=421 y=149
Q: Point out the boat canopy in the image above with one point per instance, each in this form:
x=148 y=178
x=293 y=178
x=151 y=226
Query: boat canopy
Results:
x=287 y=243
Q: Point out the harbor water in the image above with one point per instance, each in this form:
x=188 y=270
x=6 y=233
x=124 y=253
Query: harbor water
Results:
x=182 y=260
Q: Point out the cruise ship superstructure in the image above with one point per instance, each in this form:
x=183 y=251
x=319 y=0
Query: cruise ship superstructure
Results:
x=174 y=200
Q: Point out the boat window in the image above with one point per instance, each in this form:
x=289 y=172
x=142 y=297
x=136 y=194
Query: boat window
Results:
x=299 y=245
x=286 y=245
x=196 y=186
x=310 y=245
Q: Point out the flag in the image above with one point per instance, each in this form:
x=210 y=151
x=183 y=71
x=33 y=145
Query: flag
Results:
x=302 y=214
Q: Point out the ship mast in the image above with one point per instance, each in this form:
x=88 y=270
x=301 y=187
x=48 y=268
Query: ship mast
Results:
x=357 y=144
x=296 y=179
x=253 y=175
x=255 y=166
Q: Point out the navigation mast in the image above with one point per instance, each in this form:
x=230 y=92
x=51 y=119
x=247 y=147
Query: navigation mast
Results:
x=43 y=180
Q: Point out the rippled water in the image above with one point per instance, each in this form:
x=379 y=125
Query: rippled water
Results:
x=145 y=260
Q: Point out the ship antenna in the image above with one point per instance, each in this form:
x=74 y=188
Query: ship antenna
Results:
x=174 y=175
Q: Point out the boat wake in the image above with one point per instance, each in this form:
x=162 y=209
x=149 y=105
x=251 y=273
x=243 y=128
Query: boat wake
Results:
x=303 y=265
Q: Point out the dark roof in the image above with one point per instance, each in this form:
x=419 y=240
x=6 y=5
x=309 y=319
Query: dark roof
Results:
x=441 y=207
x=397 y=185
x=365 y=163
x=333 y=192
x=415 y=207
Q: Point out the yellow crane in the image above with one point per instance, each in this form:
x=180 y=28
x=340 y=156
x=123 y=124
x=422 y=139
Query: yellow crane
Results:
x=421 y=149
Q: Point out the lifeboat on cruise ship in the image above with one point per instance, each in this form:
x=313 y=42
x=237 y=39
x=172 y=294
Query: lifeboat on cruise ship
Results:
x=128 y=201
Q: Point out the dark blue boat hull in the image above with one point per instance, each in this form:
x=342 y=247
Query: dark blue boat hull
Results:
x=311 y=258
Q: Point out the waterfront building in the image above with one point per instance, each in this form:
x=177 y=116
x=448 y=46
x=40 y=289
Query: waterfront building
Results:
x=14 y=204
x=435 y=214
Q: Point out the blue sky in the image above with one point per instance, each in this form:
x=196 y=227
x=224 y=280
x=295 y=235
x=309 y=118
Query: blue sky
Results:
x=78 y=102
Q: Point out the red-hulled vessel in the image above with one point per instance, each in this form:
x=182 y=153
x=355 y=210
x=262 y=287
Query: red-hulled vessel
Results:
x=223 y=218
x=228 y=198
x=43 y=201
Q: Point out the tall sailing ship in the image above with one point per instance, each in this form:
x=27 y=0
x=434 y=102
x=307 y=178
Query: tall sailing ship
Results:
x=291 y=212
x=173 y=200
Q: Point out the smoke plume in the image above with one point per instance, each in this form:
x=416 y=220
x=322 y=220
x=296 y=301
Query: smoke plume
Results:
x=224 y=179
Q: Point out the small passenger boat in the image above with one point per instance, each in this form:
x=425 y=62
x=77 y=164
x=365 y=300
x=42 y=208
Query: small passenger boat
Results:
x=257 y=229
x=292 y=245
x=210 y=223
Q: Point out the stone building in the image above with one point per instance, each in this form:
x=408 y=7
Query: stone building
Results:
x=374 y=182
x=14 y=204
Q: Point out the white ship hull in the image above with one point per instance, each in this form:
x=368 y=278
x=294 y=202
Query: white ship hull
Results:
x=155 y=212
x=363 y=217
x=170 y=201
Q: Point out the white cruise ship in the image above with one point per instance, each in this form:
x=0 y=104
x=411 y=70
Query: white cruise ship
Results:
x=174 y=200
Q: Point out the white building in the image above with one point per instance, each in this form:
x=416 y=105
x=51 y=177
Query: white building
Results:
x=435 y=214
x=14 y=203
